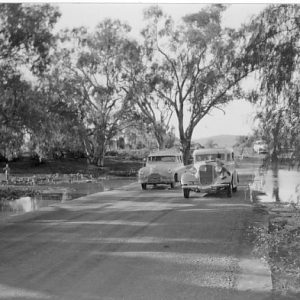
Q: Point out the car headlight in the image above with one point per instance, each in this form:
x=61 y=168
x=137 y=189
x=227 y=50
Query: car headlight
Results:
x=193 y=170
x=203 y=168
x=169 y=171
x=141 y=173
x=218 y=169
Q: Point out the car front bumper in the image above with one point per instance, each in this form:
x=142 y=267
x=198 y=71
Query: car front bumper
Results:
x=205 y=189
x=157 y=180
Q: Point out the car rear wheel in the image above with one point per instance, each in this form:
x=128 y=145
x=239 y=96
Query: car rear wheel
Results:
x=144 y=186
x=229 y=190
x=186 y=193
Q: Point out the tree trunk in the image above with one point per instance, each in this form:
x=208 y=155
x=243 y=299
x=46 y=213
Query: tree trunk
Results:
x=101 y=154
x=160 y=137
x=185 y=140
x=160 y=142
x=95 y=152
x=275 y=181
x=186 y=149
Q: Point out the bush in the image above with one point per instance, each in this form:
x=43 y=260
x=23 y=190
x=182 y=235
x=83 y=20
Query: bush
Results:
x=129 y=154
x=111 y=153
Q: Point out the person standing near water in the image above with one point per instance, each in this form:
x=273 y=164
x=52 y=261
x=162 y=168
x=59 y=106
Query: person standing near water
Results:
x=6 y=170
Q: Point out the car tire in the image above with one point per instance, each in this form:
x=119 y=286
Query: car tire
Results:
x=176 y=177
x=234 y=188
x=172 y=185
x=229 y=190
x=186 y=193
x=144 y=186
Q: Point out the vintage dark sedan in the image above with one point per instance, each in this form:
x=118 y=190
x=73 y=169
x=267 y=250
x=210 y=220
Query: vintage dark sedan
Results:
x=213 y=170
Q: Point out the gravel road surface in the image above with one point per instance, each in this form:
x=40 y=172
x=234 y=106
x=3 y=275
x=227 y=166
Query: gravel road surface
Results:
x=129 y=244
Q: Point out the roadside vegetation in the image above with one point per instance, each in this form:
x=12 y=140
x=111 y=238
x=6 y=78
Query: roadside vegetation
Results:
x=91 y=90
x=277 y=242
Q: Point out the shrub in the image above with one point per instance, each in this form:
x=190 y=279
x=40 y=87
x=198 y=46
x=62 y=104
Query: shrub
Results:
x=129 y=154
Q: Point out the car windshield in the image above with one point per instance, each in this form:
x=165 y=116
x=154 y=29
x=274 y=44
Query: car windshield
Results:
x=167 y=158
x=204 y=157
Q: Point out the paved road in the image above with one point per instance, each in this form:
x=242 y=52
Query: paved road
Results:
x=131 y=244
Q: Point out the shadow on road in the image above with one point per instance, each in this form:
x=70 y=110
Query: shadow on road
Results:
x=129 y=244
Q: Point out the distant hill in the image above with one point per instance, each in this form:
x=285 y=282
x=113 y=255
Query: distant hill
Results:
x=220 y=140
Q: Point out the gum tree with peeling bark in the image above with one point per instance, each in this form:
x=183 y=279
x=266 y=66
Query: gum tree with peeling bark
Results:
x=193 y=67
x=94 y=64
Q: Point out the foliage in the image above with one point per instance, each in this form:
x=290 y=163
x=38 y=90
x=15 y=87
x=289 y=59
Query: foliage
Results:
x=278 y=245
x=273 y=48
x=246 y=141
x=211 y=144
x=7 y=194
x=138 y=154
x=25 y=43
x=25 y=34
x=89 y=72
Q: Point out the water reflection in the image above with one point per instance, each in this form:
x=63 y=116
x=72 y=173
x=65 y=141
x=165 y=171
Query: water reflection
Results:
x=276 y=185
x=60 y=192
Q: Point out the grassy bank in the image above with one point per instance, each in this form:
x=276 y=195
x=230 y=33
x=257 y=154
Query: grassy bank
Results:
x=278 y=243
x=113 y=165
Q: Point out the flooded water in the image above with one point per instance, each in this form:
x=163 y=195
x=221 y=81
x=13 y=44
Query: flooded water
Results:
x=277 y=185
x=58 y=193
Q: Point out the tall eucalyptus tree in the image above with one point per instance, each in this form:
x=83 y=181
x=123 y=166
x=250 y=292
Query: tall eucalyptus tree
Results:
x=193 y=67
x=25 y=42
x=93 y=65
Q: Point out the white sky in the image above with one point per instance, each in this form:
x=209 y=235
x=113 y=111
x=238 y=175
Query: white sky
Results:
x=238 y=117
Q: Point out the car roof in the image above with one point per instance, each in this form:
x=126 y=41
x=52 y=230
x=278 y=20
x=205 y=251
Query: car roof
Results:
x=166 y=153
x=212 y=151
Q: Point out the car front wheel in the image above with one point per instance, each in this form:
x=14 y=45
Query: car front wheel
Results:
x=176 y=177
x=144 y=186
x=229 y=190
x=234 y=188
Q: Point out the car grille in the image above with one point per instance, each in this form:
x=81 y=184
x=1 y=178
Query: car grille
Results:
x=154 y=178
x=207 y=175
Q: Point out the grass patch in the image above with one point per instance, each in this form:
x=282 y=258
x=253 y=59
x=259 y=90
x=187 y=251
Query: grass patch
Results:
x=74 y=166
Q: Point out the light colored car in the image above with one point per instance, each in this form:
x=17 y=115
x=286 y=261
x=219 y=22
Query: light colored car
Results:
x=260 y=147
x=161 y=168
x=213 y=170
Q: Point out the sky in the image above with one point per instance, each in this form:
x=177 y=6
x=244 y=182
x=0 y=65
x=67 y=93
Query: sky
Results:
x=238 y=117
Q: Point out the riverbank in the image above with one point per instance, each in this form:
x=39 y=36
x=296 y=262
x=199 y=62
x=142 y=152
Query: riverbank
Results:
x=113 y=166
x=278 y=241
x=29 y=179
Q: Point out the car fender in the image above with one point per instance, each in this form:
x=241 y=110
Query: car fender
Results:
x=145 y=171
x=179 y=171
x=188 y=177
